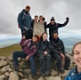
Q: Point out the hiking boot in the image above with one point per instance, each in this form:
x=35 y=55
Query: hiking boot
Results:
x=43 y=74
x=47 y=73
x=16 y=68
x=34 y=77
x=61 y=71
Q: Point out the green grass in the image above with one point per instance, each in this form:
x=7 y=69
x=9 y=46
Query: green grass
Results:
x=7 y=51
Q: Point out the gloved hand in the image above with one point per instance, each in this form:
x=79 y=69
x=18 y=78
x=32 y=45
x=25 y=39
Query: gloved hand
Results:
x=67 y=18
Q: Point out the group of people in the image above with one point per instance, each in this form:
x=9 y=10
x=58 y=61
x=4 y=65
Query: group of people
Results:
x=45 y=50
x=26 y=23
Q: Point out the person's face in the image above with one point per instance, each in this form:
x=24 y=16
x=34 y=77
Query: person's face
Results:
x=28 y=9
x=77 y=56
x=36 y=18
x=45 y=37
x=41 y=18
x=52 y=22
x=55 y=35
x=34 y=39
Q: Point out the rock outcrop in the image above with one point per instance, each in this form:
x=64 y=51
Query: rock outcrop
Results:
x=7 y=72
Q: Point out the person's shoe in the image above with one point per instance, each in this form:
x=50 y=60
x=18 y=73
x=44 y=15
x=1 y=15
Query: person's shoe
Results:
x=34 y=77
x=61 y=71
x=47 y=73
x=16 y=68
x=43 y=74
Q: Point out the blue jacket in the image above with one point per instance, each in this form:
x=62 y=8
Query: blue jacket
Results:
x=73 y=75
x=24 y=19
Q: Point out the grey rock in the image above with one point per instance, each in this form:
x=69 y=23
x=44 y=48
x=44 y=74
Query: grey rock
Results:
x=54 y=73
x=53 y=78
x=7 y=74
x=41 y=78
x=3 y=63
x=5 y=69
x=20 y=74
x=2 y=77
x=24 y=79
x=13 y=76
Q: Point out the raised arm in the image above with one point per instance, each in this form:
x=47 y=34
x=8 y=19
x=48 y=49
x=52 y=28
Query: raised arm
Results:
x=64 y=24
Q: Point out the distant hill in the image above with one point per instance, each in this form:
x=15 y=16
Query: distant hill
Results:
x=9 y=41
x=69 y=42
x=9 y=50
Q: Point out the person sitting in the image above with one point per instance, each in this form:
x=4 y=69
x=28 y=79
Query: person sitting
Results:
x=75 y=74
x=59 y=53
x=43 y=50
x=28 y=52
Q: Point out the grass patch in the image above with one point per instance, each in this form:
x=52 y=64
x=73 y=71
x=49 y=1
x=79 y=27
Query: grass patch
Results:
x=9 y=50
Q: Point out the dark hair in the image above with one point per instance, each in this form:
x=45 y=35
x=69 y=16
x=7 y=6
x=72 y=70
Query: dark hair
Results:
x=36 y=36
x=27 y=7
x=36 y=16
x=41 y=38
x=75 y=46
x=43 y=18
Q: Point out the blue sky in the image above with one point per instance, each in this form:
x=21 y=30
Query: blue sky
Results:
x=60 y=9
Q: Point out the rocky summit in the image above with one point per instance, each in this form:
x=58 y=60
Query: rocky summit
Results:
x=24 y=73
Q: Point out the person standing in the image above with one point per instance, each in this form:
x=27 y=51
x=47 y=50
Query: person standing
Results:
x=24 y=22
x=34 y=20
x=53 y=26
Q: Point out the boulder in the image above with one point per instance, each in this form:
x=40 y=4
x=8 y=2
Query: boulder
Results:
x=13 y=76
x=53 y=78
x=2 y=77
x=3 y=63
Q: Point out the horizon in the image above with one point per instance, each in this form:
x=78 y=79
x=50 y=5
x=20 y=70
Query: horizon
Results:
x=60 y=9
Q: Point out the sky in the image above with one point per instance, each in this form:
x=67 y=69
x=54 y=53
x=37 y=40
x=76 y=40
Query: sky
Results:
x=60 y=9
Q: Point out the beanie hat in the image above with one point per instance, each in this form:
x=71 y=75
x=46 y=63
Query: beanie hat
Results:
x=52 y=19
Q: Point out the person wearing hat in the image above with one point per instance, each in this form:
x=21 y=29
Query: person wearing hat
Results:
x=24 y=22
x=59 y=53
x=53 y=26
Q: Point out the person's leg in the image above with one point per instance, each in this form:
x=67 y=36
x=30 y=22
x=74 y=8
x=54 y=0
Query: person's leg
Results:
x=67 y=62
x=15 y=57
x=48 y=57
x=58 y=59
x=32 y=65
x=29 y=34
x=42 y=65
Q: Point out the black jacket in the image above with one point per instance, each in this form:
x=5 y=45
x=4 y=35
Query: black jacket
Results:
x=58 y=46
x=54 y=28
x=43 y=46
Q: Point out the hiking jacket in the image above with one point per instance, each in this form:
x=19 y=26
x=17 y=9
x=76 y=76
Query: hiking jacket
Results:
x=29 y=47
x=43 y=46
x=24 y=19
x=58 y=46
x=54 y=28
x=73 y=75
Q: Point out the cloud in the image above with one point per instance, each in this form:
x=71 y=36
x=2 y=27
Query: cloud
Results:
x=60 y=9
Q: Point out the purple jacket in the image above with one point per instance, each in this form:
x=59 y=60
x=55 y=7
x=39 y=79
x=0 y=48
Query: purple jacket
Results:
x=30 y=51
